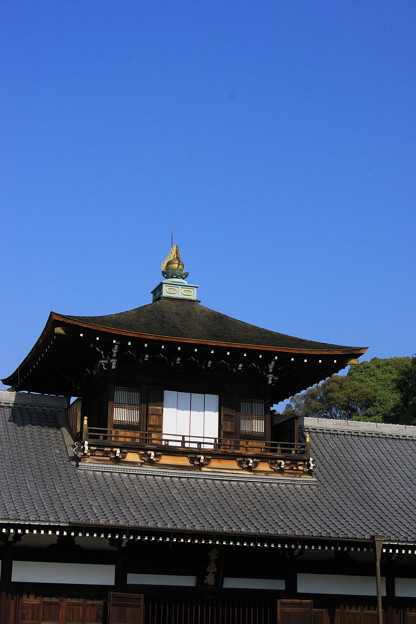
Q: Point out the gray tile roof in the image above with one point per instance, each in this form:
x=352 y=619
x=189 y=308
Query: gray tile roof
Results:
x=363 y=484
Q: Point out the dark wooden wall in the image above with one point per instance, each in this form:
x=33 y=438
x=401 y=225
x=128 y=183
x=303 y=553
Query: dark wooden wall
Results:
x=151 y=380
x=166 y=607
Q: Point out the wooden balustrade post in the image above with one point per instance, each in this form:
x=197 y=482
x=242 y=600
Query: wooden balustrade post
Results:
x=85 y=429
x=308 y=445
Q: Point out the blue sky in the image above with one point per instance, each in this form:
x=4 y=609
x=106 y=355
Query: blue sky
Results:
x=276 y=138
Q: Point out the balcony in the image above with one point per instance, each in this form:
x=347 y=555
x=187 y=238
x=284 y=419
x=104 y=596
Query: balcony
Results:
x=205 y=453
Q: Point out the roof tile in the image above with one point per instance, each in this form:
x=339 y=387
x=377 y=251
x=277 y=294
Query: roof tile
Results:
x=363 y=486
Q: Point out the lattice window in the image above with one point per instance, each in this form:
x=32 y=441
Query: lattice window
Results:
x=126 y=407
x=252 y=417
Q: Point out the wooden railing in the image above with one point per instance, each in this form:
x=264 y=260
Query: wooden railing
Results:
x=180 y=444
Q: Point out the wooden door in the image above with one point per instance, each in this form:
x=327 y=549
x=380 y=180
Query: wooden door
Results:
x=294 y=612
x=229 y=423
x=82 y=611
x=125 y=608
x=155 y=413
x=409 y=615
x=359 y=614
x=57 y=610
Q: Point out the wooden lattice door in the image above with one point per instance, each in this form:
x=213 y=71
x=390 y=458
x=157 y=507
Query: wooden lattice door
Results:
x=58 y=610
x=125 y=608
x=294 y=612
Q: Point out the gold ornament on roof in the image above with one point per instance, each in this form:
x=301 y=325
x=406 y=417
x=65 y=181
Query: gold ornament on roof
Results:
x=173 y=266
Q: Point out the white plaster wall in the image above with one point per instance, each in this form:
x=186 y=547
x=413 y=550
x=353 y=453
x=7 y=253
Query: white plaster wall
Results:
x=252 y=583
x=405 y=587
x=68 y=573
x=339 y=584
x=161 y=579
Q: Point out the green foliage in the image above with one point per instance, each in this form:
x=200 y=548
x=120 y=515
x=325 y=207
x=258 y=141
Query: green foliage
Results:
x=406 y=413
x=379 y=391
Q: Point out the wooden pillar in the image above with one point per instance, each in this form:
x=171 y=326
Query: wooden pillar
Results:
x=120 y=571
x=6 y=566
x=7 y=602
x=378 y=549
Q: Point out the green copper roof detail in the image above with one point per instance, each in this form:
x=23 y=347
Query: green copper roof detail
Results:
x=176 y=289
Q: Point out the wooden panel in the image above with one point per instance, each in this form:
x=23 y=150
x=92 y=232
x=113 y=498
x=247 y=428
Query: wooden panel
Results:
x=82 y=611
x=155 y=409
x=50 y=610
x=123 y=436
x=228 y=417
x=154 y=422
x=74 y=417
x=56 y=610
x=143 y=407
x=30 y=610
x=394 y=616
x=294 y=612
x=125 y=608
x=352 y=617
x=320 y=616
x=358 y=614
x=39 y=610
x=8 y=606
x=255 y=446
x=369 y=617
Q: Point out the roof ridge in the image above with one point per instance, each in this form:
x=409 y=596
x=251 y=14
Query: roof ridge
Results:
x=182 y=474
x=358 y=427
x=31 y=400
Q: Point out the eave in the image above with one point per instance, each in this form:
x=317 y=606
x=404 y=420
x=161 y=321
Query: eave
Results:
x=12 y=531
x=67 y=346
x=163 y=338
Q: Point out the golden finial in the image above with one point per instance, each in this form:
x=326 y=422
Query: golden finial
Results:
x=173 y=266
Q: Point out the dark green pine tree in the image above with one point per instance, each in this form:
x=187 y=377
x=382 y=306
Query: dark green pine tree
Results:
x=382 y=390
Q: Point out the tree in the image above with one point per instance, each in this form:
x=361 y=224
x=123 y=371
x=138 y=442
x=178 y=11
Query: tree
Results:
x=406 y=413
x=382 y=390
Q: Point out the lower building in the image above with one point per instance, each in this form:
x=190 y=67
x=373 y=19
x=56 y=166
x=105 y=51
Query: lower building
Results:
x=89 y=541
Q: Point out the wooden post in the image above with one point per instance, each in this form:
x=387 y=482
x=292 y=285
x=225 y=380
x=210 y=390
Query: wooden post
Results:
x=85 y=429
x=378 y=549
x=307 y=445
x=7 y=600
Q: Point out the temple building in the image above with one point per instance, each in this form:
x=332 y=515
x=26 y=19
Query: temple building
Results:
x=146 y=479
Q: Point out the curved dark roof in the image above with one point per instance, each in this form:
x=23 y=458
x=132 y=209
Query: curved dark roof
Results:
x=358 y=492
x=54 y=362
x=188 y=320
